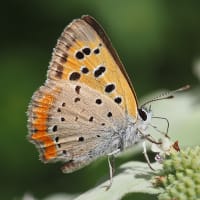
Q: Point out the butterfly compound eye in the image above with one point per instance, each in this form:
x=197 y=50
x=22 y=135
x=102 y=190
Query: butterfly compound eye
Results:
x=142 y=114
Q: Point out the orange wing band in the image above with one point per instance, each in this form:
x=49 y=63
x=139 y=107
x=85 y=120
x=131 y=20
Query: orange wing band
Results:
x=39 y=124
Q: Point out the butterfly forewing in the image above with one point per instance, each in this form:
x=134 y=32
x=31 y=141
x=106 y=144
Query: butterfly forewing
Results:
x=77 y=115
x=84 y=52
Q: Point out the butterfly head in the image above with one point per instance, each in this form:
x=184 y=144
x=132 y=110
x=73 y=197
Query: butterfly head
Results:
x=144 y=117
x=145 y=114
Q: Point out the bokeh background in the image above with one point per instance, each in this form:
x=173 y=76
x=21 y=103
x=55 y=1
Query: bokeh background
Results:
x=158 y=42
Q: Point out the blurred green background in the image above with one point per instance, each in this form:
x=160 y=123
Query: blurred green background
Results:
x=158 y=42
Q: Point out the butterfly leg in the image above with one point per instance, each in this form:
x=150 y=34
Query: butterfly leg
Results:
x=151 y=139
x=146 y=155
x=111 y=164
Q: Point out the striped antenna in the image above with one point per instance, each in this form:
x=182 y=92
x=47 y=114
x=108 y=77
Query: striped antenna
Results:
x=167 y=95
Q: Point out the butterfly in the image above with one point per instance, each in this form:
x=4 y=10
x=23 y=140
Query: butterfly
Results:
x=87 y=108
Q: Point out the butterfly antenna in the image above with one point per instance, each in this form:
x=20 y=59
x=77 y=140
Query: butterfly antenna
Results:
x=167 y=95
x=167 y=121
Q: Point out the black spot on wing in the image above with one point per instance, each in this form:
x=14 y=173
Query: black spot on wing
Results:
x=86 y=51
x=77 y=89
x=84 y=70
x=74 y=76
x=118 y=100
x=79 y=55
x=109 y=88
x=99 y=71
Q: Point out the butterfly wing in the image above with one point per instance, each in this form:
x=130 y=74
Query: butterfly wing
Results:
x=77 y=115
x=84 y=49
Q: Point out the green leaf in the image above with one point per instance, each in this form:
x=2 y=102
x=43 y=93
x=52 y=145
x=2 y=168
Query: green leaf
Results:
x=132 y=177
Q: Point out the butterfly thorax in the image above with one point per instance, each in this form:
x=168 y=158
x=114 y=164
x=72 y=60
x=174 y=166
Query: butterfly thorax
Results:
x=136 y=131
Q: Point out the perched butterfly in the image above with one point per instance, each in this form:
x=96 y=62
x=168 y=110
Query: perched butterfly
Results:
x=87 y=107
